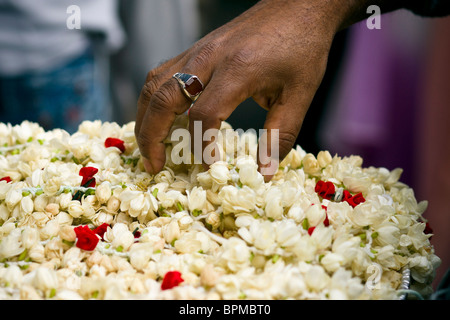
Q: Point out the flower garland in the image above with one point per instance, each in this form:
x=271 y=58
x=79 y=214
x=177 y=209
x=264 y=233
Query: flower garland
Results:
x=81 y=219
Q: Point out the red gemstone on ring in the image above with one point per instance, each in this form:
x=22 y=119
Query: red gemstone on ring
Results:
x=193 y=86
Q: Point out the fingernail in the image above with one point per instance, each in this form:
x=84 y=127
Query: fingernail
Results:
x=147 y=165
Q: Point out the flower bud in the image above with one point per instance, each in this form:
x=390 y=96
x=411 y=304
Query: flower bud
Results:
x=311 y=165
x=316 y=278
x=214 y=220
x=13 y=276
x=208 y=276
x=324 y=158
x=75 y=209
x=30 y=237
x=67 y=233
x=51 y=186
x=103 y=192
x=37 y=253
x=315 y=215
x=45 y=279
x=64 y=218
x=140 y=255
x=332 y=261
x=94 y=258
x=113 y=204
x=52 y=208
x=40 y=202
x=171 y=231
x=10 y=245
x=13 y=197
x=27 y=205
x=220 y=173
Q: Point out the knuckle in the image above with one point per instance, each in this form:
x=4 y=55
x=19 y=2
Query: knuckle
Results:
x=149 y=89
x=286 y=141
x=242 y=58
x=164 y=97
x=152 y=74
x=205 y=54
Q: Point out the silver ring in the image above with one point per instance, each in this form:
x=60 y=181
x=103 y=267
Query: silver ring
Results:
x=191 y=85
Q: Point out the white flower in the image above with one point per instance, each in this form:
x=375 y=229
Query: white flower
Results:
x=322 y=236
x=171 y=231
x=332 y=261
x=311 y=165
x=13 y=276
x=45 y=279
x=30 y=237
x=248 y=172
x=51 y=229
x=192 y=242
x=235 y=200
x=79 y=145
x=103 y=192
x=13 y=197
x=324 y=158
x=220 y=173
x=196 y=199
x=235 y=255
x=264 y=235
x=228 y=287
x=273 y=199
x=387 y=234
x=140 y=254
x=119 y=236
x=75 y=209
x=287 y=234
x=315 y=215
x=37 y=253
x=417 y=236
x=316 y=278
x=296 y=213
x=11 y=245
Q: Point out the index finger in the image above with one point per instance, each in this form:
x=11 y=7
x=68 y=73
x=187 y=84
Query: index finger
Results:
x=160 y=112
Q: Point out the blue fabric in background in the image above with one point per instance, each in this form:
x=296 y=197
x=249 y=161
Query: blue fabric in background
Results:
x=60 y=98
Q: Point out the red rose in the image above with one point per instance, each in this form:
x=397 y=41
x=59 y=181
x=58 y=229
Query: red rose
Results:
x=114 y=142
x=171 y=279
x=353 y=200
x=88 y=176
x=346 y=196
x=358 y=198
x=101 y=229
x=7 y=179
x=325 y=189
x=86 y=238
x=311 y=230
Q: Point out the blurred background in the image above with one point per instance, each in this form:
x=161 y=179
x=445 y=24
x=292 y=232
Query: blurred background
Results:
x=385 y=95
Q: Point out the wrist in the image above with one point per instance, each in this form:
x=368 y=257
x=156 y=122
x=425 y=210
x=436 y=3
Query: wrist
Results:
x=354 y=11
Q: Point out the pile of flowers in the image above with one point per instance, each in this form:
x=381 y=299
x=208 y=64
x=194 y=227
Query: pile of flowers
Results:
x=81 y=219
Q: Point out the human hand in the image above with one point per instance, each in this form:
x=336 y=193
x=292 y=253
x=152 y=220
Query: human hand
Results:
x=276 y=53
